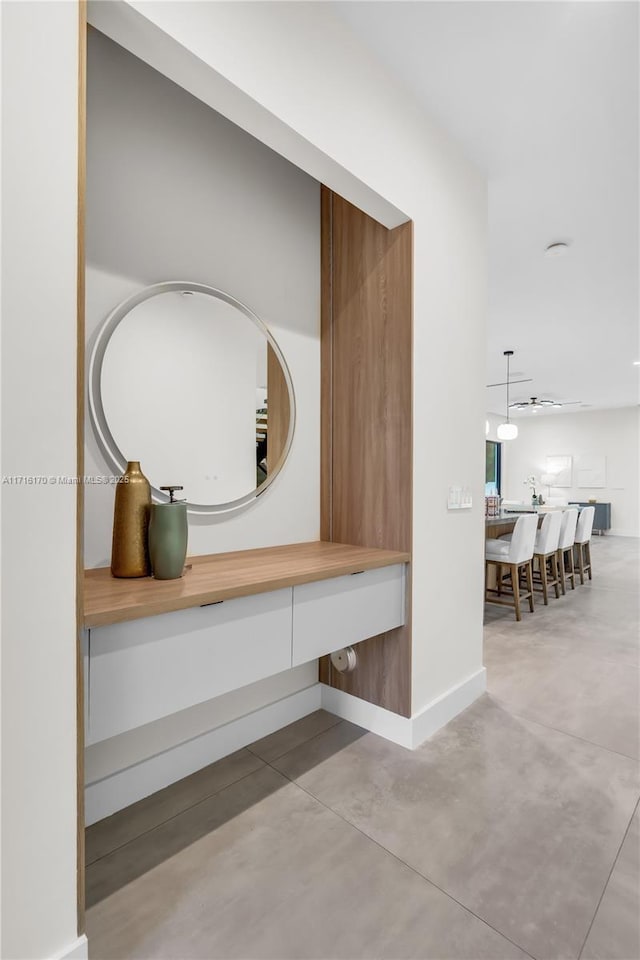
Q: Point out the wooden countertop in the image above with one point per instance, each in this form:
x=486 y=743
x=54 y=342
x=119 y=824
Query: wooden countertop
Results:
x=222 y=576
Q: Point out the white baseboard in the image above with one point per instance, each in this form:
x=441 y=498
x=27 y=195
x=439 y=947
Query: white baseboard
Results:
x=78 y=950
x=409 y=732
x=389 y=725
x=444 y=708
x=104 y=797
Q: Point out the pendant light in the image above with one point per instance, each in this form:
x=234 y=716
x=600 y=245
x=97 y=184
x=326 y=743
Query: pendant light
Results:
x=507 y=430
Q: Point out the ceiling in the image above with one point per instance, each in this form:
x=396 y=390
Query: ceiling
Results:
x=543 y=97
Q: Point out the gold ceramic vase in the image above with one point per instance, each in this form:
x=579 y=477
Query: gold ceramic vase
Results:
x=129 y=549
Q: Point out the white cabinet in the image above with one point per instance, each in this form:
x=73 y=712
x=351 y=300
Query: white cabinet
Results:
x=145 y=669
x=329 y=614
x=140 y=670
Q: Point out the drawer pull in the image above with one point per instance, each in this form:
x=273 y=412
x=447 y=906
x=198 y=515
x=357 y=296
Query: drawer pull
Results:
x=356 y=573
x=213 y=603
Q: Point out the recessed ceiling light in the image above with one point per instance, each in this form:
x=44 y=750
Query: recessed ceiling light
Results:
x=556 y=249
x=636 y=363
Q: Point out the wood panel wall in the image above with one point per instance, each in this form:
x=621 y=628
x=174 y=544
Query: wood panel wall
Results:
x=278 y=410
x=366 y=442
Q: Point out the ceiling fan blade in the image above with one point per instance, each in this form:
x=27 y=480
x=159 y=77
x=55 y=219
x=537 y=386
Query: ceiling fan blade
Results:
x=542 y=404
x=511 y=382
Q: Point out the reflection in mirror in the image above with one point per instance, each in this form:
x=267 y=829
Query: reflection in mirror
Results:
x=188 y=381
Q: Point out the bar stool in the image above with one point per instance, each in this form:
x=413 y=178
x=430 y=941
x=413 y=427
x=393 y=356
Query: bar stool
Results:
x=565 y=549
x=583 y=541
x=546 y=550
x=516 y=554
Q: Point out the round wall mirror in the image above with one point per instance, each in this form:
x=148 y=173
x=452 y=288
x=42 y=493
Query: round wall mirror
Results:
x=187 y=380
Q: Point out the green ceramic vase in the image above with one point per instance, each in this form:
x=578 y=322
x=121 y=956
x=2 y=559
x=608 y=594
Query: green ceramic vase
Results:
x=168 y=534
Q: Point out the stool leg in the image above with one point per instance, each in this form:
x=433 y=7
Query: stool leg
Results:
x=542 y=562
x=529 y=573
x=554 y=570
x=588 y=550
x=516 y=589
x=580 y=562
x=560 y=558
x=499 y=579
x=572 y=570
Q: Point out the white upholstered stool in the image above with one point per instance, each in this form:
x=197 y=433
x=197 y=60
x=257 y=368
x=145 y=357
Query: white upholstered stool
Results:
x=583 y=541
x=515 y=554
x=565 y=549
x=545 y=550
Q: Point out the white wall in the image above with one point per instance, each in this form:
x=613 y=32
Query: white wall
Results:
x=175 y=191
x=312 y=81
x=345 y=107
x=611 y=433
x=39 y=217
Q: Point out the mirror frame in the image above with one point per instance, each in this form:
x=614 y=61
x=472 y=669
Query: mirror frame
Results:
x=106 y=440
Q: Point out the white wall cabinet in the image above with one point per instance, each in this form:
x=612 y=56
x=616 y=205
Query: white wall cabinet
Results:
x=146 y=669
x=141 y=670
x=331 y=614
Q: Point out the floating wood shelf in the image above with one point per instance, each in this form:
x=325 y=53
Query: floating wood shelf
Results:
x=222 y=576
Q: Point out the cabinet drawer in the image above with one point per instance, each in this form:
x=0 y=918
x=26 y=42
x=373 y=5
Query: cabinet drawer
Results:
x=146 y=669
x=329 y=614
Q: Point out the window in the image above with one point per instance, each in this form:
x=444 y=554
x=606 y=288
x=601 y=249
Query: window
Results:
x=492 y=475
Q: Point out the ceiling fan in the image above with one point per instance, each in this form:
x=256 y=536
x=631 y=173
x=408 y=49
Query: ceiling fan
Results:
x=534 y=404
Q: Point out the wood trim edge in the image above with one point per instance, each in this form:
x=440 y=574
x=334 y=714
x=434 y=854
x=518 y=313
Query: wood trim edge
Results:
x=80 y=365
x=326 y=383
x=326 y=363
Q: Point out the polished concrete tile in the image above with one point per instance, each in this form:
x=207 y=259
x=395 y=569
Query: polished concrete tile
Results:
x=615 y=561
x=518 y=822
x=107 y=835
x=587 y=636
x=615 y=934
x=586 y=696
x=284 y=740
x=139 y=857
x=264 y=870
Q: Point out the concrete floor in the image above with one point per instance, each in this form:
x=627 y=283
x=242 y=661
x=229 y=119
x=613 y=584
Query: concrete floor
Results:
x=513 y=832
